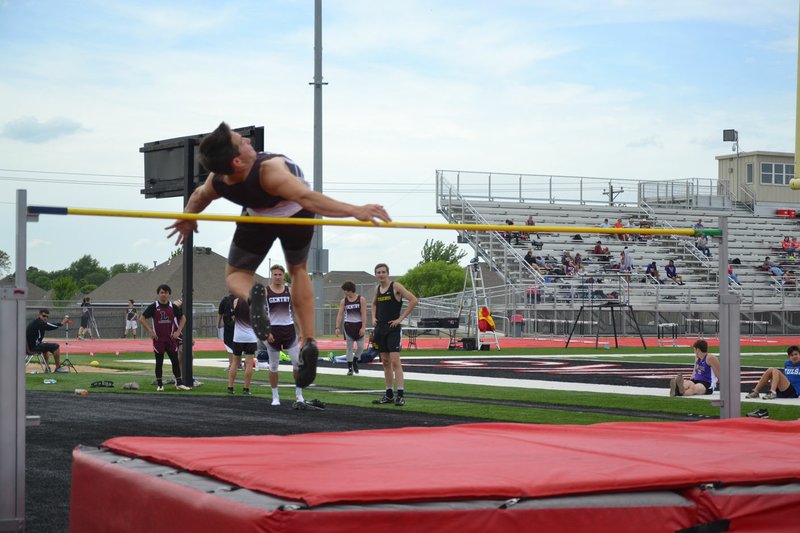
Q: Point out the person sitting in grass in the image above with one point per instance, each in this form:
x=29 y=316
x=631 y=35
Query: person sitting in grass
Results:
x=704 y=378
x=784 y=384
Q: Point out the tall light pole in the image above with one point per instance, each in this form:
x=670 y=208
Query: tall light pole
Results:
x=318 y=257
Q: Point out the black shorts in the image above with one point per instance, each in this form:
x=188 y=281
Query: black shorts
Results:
x=284 y=337
x=705 y=384
x=243 y=348
x=45 y=347
x=352 y=330
x=252 y=242
x=85 y=320
x=387 y=339
x=790 y=392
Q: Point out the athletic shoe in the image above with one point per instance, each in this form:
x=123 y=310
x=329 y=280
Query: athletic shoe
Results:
x=62 y=370
x=230 y=391
x=182 y=387
x=355 y=366
x=197 y=383
x=383 y=400
x=752 y=395
x=259 y=316
x=307 y=364
x=400 y=401
x=276 y=401
x=246 y=392
x=160 y=388
x=315 y=404
x=761 y=413
x=679 y=385
x=299 y=405
x=770 y=395
x=350 y=371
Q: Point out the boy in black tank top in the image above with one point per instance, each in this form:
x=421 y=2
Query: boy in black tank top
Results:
x=386 y=314
x=266 y=185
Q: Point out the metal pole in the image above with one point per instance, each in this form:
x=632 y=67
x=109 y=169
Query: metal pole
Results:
x=318 y=256
x=730 y=397
x=187 y=373
x=12 y=385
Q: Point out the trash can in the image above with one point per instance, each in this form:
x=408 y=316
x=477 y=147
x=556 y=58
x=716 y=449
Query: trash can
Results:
x=517 y=321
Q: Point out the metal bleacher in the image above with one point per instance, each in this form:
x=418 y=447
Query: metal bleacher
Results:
x=546 y=299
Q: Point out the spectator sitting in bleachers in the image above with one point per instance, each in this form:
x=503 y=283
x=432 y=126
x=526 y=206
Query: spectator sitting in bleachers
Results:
x=672 y=273
x=772 y=268
x=788 y=278
x=530 y=221
x=652 y=271
x=788 y=246
x=733 y=278
x=577 y=262
x=701 y=243
x=601 y=253
x=699 y=225
x=604 y=224
x=531 y=261
x=619 y=224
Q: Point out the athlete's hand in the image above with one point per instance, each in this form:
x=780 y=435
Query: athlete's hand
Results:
x=395 y=323
x=371 y=212
x=183 y=228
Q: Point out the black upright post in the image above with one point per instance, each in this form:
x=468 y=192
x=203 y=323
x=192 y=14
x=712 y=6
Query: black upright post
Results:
x=188 y=266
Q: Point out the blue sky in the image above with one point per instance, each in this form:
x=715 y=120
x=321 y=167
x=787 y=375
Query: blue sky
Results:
x=609 y=88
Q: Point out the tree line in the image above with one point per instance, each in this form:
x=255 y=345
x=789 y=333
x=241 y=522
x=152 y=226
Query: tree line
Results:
x=80 y=277
x=437 y=273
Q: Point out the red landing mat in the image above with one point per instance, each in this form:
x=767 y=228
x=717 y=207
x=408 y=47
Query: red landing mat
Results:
x=474 y=477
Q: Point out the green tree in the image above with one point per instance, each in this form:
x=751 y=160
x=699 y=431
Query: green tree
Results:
x=176 y=252
x=438 y=251
x=121 y=268
x=433 y=278
x=64 y=289
x=40 y=278
x=5 y=263
x=87 y=270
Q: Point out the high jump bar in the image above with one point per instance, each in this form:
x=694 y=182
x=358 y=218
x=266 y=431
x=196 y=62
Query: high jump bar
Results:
x=49 y=210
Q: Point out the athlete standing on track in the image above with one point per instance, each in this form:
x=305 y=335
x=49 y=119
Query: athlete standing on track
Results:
x=267 y=184
x=386 y=306
x=168 y=322
x=353 y=308
x=282 y=335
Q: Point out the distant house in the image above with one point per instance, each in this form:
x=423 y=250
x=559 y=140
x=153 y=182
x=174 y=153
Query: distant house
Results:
x=209 y=280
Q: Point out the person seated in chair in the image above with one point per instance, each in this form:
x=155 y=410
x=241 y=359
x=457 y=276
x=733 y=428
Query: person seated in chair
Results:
x=34 y=335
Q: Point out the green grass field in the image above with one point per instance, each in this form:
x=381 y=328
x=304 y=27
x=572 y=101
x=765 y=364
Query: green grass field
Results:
x=508 y=404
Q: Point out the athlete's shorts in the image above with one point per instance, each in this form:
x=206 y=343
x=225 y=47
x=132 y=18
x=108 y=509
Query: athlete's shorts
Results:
x=284 y=337
x=252 y=242
x=790 y=392
x=85 y=320
x=131 y=324
x=161 y=346
x=352 y=330
x=705 y=384
x=387 y=339
x=46 y=347
x=244 y=348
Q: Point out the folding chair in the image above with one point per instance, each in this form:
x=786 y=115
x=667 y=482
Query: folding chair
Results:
x=30 y=355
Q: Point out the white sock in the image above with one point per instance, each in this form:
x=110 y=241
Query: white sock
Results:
x=275 y=394
x=298 y=392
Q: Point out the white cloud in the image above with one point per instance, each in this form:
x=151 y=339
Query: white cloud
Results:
x=30 y=129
